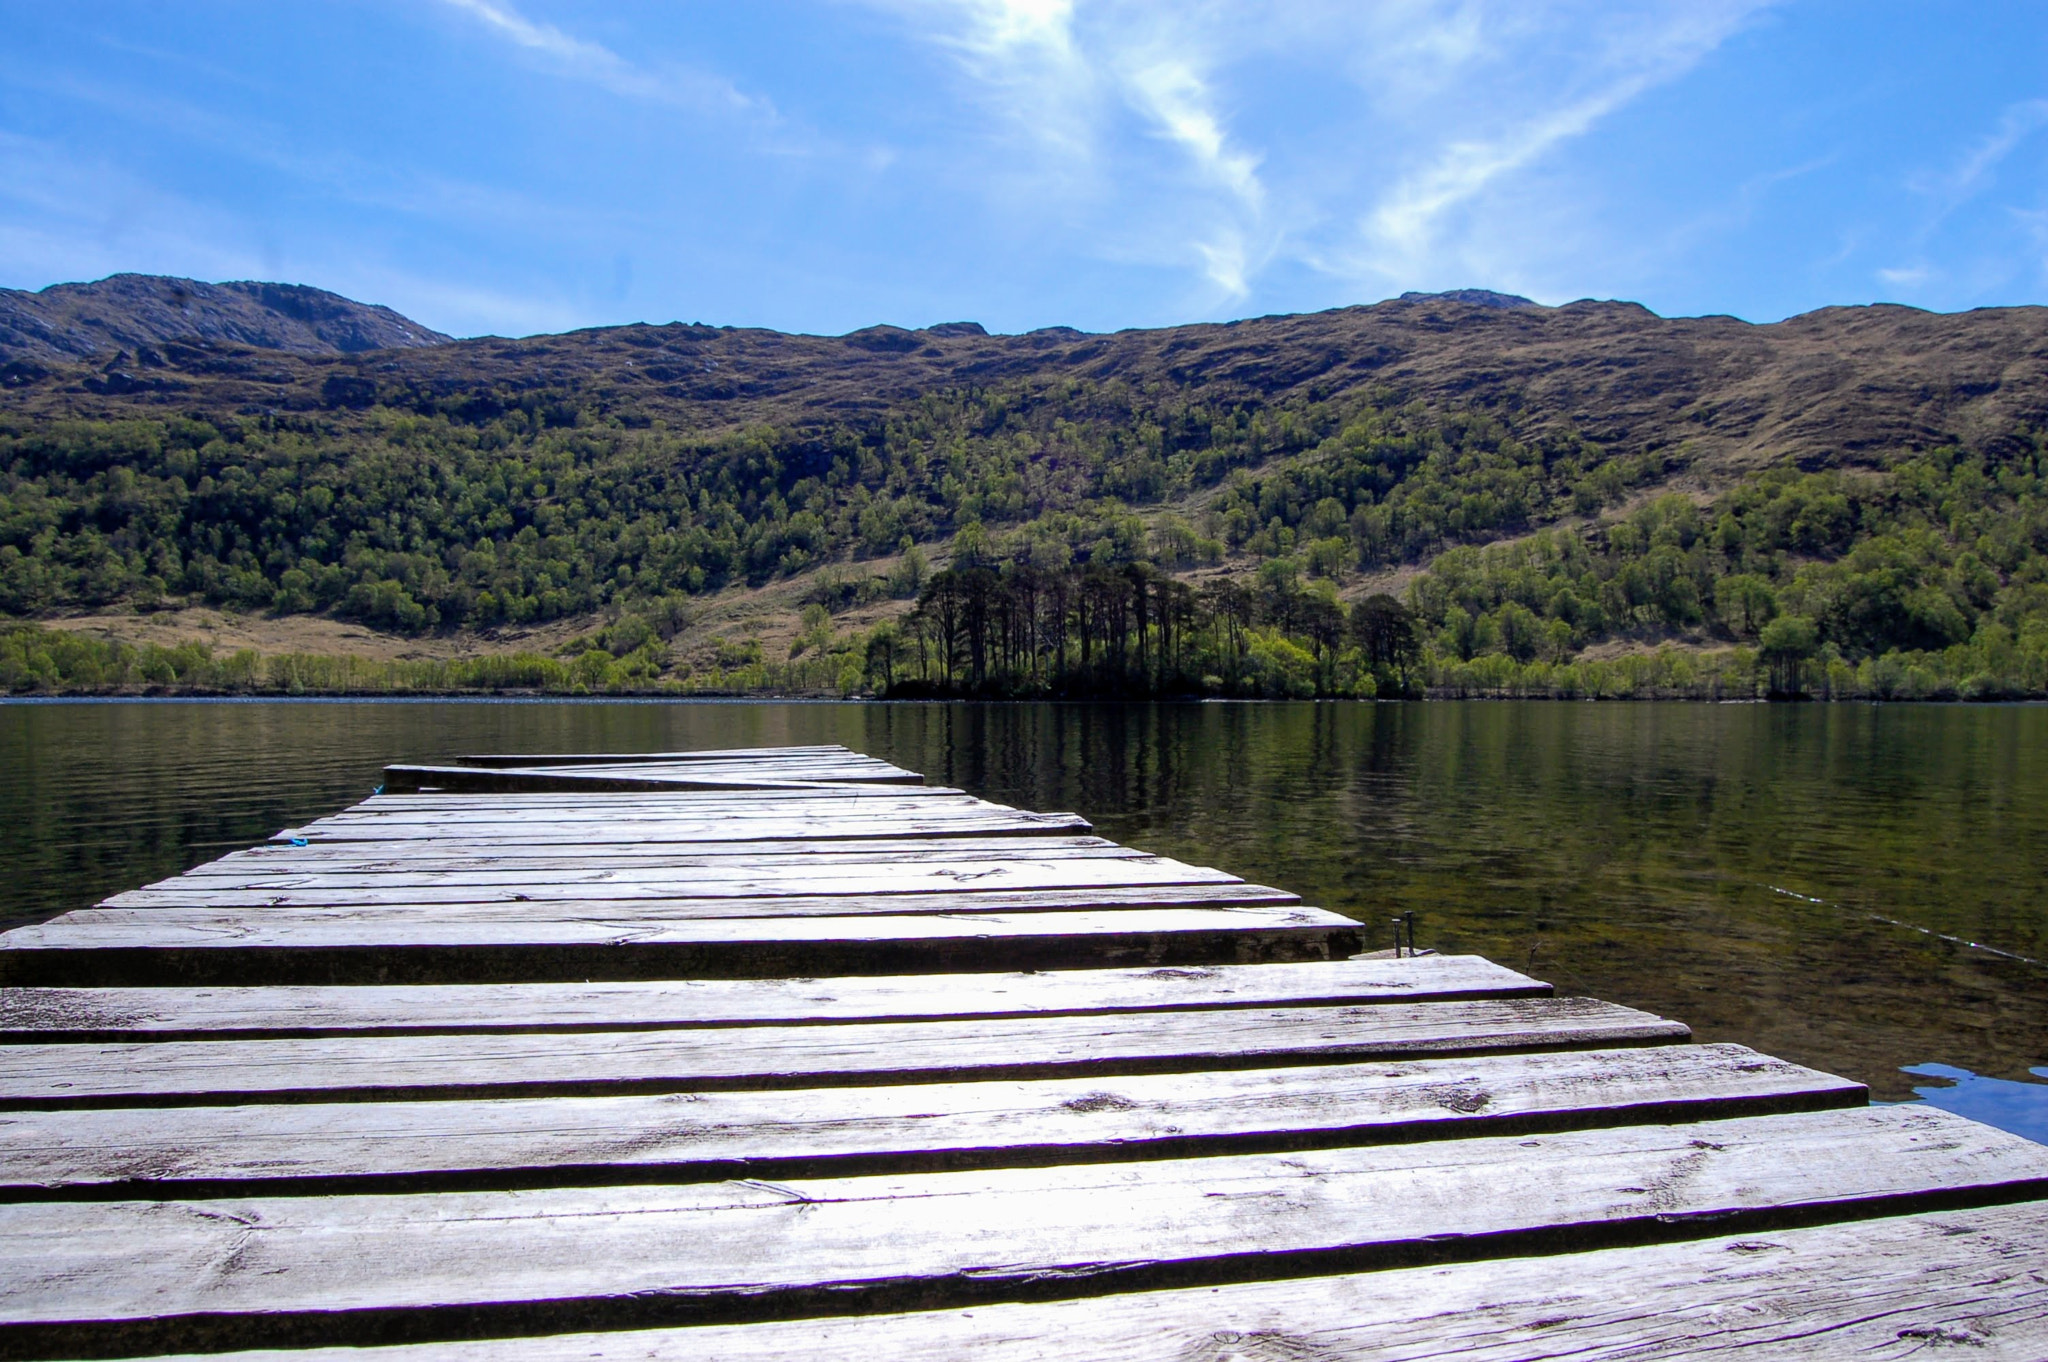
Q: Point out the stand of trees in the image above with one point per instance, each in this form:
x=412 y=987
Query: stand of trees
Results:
x=1129 y=631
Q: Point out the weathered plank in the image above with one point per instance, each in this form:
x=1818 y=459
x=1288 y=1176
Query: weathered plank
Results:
x=492 y=759
x=442 y=1146
x=855 y=769
x=821 y=801
x=633 y=833
x=465 y=778
x=631 y=830
x=134 y=1014
x=805 y=819
x=746 y=879
x=117 y=947
x=445 y=1067
x=271 y=923
x=363 y=1269
x=360 y=865
x=824 y=795
x=358 y=858
x=1966 y=1284
x=369 y=858
x=837 y=802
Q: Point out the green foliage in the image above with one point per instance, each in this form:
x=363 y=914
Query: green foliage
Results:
x=478 y=512
x=1941 y=552
x=38 y=660
x=1391 y=485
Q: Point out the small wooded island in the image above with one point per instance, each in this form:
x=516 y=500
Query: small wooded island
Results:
x=780 y=1053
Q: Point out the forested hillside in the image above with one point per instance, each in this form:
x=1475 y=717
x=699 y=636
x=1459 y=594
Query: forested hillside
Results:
x=1535 y=489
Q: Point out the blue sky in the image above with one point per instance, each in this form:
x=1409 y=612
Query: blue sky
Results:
x=514 y=166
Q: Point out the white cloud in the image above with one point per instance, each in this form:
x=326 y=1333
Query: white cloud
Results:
x=1911 y=276
x=1061 y=88
x=1163 y=133
x=1174 y=95
x=1177 y=100
x=1023 y=65
x=1973 y=171
x=1495 y=126
x=598 y=64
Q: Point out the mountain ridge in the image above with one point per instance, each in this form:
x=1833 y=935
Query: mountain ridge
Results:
x=1840 y=382
x=67 y=323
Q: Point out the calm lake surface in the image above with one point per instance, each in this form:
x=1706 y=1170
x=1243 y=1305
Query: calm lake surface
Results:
x=1859 y=888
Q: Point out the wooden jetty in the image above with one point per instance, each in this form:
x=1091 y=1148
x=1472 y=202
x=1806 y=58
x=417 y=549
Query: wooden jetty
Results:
x=782 y=1054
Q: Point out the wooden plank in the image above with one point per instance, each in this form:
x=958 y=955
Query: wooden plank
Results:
x=630 y=831
x=731 y=761
x=83 y=1278
x=442 y=1146
x=114 y=947
x=857 y=1053
x=406 y=777
x=817 y=795
x=821 y=798
x=837 y=802
x=803 y=765
x=1966 y=1284
x=514 y=845
x=116 y=1014
x=920 y=872
x=282 y=924
x=634 y=831
x=857 y=772
x=375 y=858
x=447 y=1067
x=710 y=882
x=492 y=759
x=834 y=801
x=260 y=864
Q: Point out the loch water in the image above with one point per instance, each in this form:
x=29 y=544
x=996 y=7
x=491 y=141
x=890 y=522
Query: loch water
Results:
x=1860 y=888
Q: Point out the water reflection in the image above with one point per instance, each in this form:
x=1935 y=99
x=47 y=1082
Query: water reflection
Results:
x=1807 y=880
x=2018 y=1107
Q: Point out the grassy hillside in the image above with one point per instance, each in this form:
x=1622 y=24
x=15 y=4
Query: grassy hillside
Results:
x=1540 y=488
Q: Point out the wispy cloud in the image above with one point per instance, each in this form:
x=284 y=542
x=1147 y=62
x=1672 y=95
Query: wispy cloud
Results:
x=1946 y=193
x=1080 y=93
x=1176 y=98
x=1023 y=64
x=583 y=59
x=1411 y=231
x=1152 y=127
x=1973 y=172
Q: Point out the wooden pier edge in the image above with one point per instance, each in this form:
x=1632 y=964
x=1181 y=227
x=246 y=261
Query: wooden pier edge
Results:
x=781 y=1053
